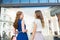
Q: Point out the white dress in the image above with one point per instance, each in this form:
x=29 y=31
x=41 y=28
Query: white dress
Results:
x=38 y=34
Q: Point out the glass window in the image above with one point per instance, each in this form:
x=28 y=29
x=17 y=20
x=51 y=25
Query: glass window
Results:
x=43 y=1
x=15 y=1
x=24 y=1
x=33 y=1
x=0 y=1
x=53 y=1
x=59 y=1
x=6 y=1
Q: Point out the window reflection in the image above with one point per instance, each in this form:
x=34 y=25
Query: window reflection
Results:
x=53 y=1
x=6 y=1
x=43 y=1
x=59 y=1
x=29 y=1
x=24 y=1
x=33 y=1
x=15 y=1
x=0 y=1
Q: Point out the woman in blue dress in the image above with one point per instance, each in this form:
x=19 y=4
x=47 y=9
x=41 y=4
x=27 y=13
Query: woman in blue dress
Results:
x=20 y=26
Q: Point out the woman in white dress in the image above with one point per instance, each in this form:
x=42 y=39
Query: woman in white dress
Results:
x=38 y=25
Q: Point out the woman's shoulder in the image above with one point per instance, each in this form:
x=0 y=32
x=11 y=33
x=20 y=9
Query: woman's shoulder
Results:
x=19 y=20
x=37 y=20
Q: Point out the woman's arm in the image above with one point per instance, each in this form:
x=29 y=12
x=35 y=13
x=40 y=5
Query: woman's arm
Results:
x=23 y=30
x=34 y=30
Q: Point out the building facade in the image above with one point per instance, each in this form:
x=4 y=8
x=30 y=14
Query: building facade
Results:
x=54 y=7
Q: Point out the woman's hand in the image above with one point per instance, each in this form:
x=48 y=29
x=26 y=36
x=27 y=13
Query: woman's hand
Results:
x=32 y=37
x=16 y=32
x=26 y=30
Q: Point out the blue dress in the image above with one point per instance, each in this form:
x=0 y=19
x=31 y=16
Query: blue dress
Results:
x=21 y=35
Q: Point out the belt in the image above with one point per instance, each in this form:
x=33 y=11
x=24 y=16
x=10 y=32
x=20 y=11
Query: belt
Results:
x=38 y=31
x=19 y=31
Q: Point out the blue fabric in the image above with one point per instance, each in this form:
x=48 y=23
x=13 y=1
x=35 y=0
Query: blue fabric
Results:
x=21 y=35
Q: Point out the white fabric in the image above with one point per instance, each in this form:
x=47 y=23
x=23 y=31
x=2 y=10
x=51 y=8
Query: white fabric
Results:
x=39 y=25
x=38 y=36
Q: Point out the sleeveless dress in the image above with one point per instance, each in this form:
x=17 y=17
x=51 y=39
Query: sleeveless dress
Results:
x=21 y=35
